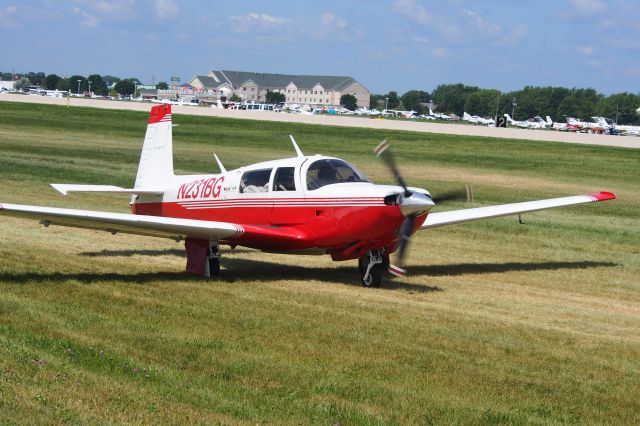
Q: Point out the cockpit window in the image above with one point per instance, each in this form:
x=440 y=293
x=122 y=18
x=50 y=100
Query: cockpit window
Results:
x=330 y=171
x=284 y=179
x=255 y=181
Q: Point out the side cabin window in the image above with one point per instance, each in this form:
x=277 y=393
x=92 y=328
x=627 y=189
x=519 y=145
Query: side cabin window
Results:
x=330 y=171
x=284 y=179
x=255 y=181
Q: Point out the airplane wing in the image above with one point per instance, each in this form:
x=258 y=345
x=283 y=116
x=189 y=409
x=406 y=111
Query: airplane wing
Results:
x=154 y=226
x=438 y=219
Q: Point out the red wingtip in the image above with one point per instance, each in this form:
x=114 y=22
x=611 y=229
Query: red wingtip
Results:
x=603 y=196
x=160 y=113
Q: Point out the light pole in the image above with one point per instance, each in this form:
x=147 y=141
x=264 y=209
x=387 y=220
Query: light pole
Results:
x=135 y=89
x=79 y=87
x=386 y=103
x=514 y=104
x=89 y=86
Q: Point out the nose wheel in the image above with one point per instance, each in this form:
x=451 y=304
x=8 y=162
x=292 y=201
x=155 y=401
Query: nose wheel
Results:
x=372 y=267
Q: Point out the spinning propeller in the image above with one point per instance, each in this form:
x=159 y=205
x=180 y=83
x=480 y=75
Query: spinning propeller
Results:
x=412 y=204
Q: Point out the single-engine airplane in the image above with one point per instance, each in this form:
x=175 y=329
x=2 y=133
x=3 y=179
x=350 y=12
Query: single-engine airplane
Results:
x=301 y=205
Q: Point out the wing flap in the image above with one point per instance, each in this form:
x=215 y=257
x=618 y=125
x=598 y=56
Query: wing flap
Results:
x=438 y=219
x=65 y=189
x=156 y=226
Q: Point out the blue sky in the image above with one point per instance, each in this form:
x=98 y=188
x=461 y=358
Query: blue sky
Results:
x=387 y=45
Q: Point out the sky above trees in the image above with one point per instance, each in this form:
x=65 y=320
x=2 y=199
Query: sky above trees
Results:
x=387 y=45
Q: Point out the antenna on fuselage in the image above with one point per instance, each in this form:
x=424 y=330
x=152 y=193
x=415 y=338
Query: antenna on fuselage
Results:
x=295 y=146
x=222 y=169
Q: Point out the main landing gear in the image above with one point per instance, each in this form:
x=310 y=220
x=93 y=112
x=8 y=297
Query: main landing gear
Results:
x=372 y=267
x=203 y=257
x=212 y=263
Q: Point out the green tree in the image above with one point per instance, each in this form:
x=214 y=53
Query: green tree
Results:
x=125 y=87
x=621 y=107
x=63 y=84
x=36 y=78
x=109 y=79
x=162 y=85
x=415 y=100
x=235 y=98
x=452 y=97
x=349 y=102
x=581 y=103
x=482 y=103
x=376 y=101
x=98 y=85
x=51 y=81
x=78 y=87
x=391 y=100
x=21 y=83
x=275 y=97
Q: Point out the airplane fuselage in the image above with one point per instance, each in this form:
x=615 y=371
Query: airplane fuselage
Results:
x=345 y=215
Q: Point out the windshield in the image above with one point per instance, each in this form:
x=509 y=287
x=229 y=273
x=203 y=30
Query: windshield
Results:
x=330 y=171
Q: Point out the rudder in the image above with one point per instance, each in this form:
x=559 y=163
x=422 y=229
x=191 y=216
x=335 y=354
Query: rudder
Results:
x=156 y=160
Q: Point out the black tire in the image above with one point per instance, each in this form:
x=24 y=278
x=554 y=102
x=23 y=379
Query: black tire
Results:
x=214 y=266
x=362 y=264
x=385 y=263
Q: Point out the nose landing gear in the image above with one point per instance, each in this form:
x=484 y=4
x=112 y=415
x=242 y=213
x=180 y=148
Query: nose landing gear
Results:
x=372 y=267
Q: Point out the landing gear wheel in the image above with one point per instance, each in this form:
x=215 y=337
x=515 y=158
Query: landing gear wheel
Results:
x=214 y=266
x=372 y=268
x=213 y=261
x=375 y=277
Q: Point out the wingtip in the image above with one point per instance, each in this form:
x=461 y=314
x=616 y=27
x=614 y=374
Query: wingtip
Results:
x=603 y=196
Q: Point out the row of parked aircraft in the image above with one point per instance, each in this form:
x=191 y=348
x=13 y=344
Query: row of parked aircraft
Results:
x=599 y=125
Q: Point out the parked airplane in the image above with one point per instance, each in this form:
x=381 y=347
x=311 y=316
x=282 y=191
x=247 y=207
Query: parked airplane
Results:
x=599 y=125
x=439 y=115
x=474 y=119
x=301 y=205
x=522 y=124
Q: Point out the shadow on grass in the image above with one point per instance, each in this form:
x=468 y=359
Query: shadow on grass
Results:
x=245 y=270
x=490 y=268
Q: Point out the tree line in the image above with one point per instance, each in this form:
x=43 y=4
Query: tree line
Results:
x=556 y=102
x=95 y=83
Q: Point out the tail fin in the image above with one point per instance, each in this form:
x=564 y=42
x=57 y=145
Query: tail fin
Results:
x=549 y=120
x=156 y=160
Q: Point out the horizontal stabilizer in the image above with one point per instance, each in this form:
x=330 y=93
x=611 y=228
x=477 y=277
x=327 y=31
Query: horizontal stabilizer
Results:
x=65 y=189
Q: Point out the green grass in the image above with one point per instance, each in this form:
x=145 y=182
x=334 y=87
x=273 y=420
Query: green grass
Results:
x=497 y=323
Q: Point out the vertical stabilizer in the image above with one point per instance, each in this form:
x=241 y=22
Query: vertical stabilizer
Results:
x=156 y=161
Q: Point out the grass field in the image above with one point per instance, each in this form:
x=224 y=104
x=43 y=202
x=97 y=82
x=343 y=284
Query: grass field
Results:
x=497 y=323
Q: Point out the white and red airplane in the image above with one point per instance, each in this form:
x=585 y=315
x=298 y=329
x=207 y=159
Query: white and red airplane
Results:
x=300 y=205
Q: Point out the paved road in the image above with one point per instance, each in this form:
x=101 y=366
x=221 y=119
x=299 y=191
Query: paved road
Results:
x=349 y=121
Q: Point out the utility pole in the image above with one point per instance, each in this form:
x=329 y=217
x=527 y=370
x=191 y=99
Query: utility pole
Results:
x=514 y=104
